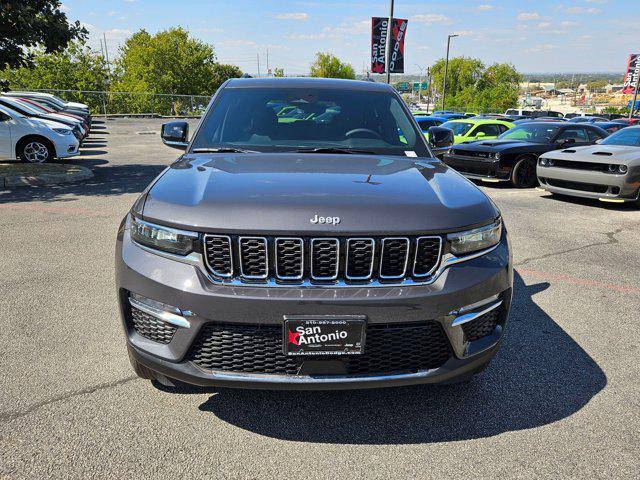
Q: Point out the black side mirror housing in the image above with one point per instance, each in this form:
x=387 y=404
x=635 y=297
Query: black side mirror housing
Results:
x=175 y=134
x=440 y=137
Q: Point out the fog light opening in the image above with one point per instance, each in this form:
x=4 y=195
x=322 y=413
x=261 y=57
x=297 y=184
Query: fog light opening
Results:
x=162 y=311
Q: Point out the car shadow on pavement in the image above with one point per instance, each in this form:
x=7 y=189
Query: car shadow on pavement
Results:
x=540 y=375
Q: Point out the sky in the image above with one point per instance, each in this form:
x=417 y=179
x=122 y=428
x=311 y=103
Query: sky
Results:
x=536 y=36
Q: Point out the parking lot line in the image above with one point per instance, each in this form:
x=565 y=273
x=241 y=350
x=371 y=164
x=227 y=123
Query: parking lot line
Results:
x=580 y=281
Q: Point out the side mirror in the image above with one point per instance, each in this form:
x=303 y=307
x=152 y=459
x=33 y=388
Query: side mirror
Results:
x=440 y=137
x=598 y=140
x=174 y=134
x=480 y=134
x=569 y=141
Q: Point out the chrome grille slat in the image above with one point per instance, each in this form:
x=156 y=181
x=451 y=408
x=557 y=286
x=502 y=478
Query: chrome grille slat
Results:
x=360 y=258
x=254 y=257
x=394 y=257
x=424 y=263
x=289 y=258
x=272 y=260
x=218 y=255
x=325 y=258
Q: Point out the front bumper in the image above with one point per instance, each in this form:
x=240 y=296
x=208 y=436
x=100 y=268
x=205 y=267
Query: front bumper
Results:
x=460 y=292
x=489 y=170
x=590 y=184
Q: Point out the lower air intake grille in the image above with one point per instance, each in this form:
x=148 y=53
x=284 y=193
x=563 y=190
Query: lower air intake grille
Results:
x=389 y=349
x=150 y=327
x=481 y=326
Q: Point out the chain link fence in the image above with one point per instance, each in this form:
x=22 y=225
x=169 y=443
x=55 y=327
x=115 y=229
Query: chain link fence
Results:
x=111 y=103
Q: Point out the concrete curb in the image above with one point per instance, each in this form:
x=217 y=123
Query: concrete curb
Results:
x=10 y=181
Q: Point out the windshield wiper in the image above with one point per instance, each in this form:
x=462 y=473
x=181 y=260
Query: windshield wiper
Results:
x=222 y=150
x=334 y=150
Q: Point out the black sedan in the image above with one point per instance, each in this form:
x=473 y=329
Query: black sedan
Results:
x=513 y=155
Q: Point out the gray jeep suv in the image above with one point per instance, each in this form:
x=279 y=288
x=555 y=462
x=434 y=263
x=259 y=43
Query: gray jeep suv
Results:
x=307 y=239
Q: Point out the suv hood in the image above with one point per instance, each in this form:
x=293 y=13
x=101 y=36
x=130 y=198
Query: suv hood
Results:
x=281 y=192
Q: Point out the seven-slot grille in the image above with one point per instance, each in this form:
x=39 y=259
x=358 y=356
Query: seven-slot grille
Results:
x=321 y=260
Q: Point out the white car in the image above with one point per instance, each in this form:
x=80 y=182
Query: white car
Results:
x=34 y=140
x=18 y=105
x=52 y=98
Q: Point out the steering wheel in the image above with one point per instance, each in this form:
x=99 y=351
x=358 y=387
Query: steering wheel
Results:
x=355 y=131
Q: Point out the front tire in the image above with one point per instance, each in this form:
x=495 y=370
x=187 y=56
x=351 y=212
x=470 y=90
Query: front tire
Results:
x=524 y=173
x=35 y=150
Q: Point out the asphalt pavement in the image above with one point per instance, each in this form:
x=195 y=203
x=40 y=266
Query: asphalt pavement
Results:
x=561 y=399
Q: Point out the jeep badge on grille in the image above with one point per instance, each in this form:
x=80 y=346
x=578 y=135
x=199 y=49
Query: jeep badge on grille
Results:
x=327 y=220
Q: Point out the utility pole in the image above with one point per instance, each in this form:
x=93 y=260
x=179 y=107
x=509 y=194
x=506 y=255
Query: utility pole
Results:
x=387 y=50
x=446 y=70
x=258 y=58
x=428 y=88
x=420 y=69
x=106 y=52
x=635 y=92
x=268 y=71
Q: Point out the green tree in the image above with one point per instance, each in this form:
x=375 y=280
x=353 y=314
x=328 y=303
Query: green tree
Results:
x=25 y=24
x=473 y=86
x=168 y=62
x=221 y=73
x=278 y=72
x=327 y=65
x=75 y=68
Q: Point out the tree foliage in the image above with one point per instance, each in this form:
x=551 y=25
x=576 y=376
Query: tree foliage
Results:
x=327 y=65
x=75 y=68
x=278 y=72
x=25 y=24
x=169 y=62
x=473 y=86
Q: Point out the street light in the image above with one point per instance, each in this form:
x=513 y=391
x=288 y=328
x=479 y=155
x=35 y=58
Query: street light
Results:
x=420 y=69
x=446 y=69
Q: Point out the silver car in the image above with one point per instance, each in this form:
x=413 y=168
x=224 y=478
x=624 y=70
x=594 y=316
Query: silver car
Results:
x=608 y=171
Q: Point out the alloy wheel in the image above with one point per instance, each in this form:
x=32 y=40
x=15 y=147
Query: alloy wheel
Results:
x=36 y=152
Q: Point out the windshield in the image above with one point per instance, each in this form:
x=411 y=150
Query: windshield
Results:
x=289 y=119
x=535 y=133
x=459 y=128
x=629 y=137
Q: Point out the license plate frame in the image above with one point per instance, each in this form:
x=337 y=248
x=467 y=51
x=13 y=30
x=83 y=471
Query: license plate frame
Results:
x=328 y=326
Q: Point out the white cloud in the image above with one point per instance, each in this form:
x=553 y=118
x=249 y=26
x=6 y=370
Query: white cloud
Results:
x=485 y=8
x=292 y=16
x=528 y=16
x=209 y=30
x=431 y=18
x=64 y=8
x=578 y=10
x=117 y=34
x=568 y=23
x=545 y=47
x=544 y=25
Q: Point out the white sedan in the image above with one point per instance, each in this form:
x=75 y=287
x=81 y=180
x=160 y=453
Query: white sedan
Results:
x=34 y=140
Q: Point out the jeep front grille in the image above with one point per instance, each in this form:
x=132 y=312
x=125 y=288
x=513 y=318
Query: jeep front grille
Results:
x=297 y=260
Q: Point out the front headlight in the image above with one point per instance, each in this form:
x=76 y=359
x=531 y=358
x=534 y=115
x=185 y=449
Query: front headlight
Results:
x=474 y=240
x=162 y=238
x=62 y=131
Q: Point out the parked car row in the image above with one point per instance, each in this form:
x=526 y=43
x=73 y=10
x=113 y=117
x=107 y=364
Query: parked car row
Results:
x=585 y=156
x=38 y=127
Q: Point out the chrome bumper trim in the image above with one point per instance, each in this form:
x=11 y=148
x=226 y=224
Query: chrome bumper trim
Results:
x=168 y=317
x=468 y=317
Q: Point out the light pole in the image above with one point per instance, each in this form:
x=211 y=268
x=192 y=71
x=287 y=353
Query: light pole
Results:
x=387 y=49
x=420 y=69
x=446 y=69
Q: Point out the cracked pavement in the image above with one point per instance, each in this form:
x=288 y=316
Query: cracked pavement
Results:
x=561 y=399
